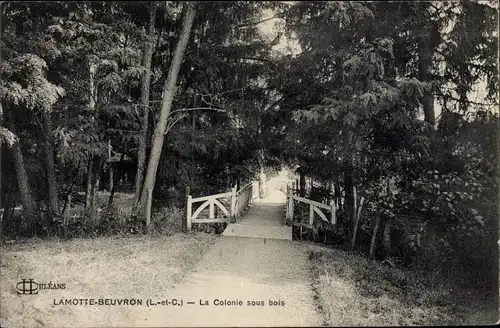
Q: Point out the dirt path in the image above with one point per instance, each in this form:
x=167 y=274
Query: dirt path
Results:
x=268 y=279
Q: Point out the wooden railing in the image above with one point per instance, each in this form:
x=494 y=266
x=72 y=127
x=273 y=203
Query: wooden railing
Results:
x=222 y=207
x=327 y=213
x=244 y=197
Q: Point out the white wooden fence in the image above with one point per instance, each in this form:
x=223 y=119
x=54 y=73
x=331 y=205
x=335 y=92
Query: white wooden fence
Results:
x=244 y=197
x=222 y=207
x=327 y=213
x=315 y=208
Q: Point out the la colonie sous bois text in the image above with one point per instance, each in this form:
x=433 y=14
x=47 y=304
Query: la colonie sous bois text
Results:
x=175 y=302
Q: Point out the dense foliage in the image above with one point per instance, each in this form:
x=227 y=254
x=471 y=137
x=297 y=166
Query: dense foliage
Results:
x=364 y=93
x=389 y=101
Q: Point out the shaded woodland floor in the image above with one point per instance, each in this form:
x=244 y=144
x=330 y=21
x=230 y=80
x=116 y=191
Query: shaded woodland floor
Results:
x=356 y=291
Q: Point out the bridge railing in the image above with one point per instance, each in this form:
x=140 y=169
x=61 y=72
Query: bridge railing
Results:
x=222 y=207
x=327 y=213
x=244 y=197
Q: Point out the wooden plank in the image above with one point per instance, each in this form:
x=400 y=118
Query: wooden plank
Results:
x=254 y=191
x=220 y=220
x=304 y=225
x=199 y=199
x=334 y=213
x=199 y=209
x=211 y=213
x=222 y=208
x=287 y=214
x=245 y=187
x=311 y=202
x=287 y=210
x=318 y=211
x=189 y=210
x=233 y=202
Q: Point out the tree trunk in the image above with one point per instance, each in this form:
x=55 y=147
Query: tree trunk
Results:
x=262 y=174
x=302 y=183
x=22 y=181
x=70 y=190
x=88 y=189
x=387 y=224
x=349 y=203
x=95 y=186
x=24 y=188
x=349 y=193
x=90 y=165
x=6 y=225
x=111 y=177
x=387 y=237
x=356 y=223
x=424 y=64
x=110 y=167
x=1 y=124
x=374 y=236
x=112 y=191
x=89 y=199
x=338 y=196
x=51 y=170
x=349 y=181
x=493 y=225
x=145 y=90
x=168 y=95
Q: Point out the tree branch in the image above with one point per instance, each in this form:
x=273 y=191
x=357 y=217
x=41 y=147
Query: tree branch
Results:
x=261 y=60
x=196 y=108
x=280 y=99
x=223 y=93
x=467 y=101
x=256 y=22
x=170 y=125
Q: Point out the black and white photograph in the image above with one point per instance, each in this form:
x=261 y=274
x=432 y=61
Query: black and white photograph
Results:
x=249 y=163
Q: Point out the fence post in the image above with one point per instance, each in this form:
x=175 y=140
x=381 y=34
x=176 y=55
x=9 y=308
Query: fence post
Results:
x=188 y=212
x=334 y=213
x=287 y=211
x=184 y=223
x=233 y=203
x=311 y=214
x=250 y=200
x=211 y=209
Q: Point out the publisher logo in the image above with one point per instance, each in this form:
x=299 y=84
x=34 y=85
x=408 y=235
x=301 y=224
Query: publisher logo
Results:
x=30 y=287
x=27 y=287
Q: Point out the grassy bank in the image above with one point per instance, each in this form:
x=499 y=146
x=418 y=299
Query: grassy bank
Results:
x=355 y=291
x=138 y=267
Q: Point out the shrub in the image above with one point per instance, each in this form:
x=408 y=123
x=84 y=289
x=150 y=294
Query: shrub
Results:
x=167 y=220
